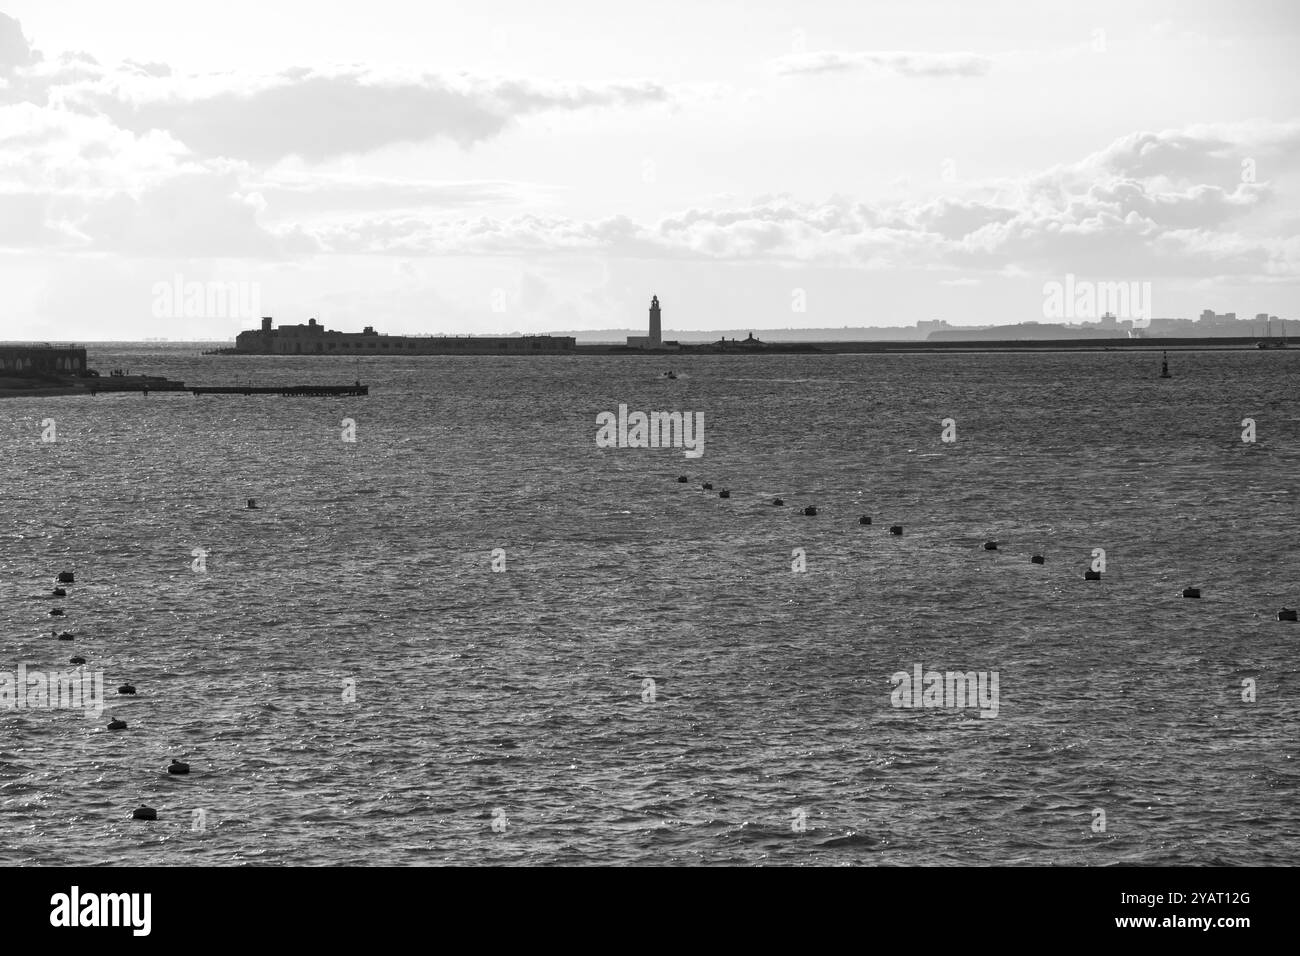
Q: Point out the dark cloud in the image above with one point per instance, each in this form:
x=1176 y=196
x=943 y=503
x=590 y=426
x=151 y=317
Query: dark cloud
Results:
x=320 y=114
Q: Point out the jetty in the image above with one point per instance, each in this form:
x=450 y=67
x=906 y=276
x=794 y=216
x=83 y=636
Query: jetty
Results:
x=289 y=390
x=286 y=390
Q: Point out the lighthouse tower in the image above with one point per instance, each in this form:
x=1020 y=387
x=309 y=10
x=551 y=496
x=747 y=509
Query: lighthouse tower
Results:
x=656 y=337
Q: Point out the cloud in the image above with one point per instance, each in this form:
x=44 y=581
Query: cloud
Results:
x=1115 y=212
x=317 y=114
x=900 y=63
x=321 y=114
x=143 y=159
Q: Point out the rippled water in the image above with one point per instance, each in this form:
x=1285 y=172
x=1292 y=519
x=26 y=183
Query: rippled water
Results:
x=519 y=696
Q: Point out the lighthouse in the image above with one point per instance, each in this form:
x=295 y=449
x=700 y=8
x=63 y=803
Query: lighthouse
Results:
x=656 y=337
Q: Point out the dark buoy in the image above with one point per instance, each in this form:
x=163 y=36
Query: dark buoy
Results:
x=990 y=545
x=144 y=813
x=707 y=486
x=126 y=689
x=1092 y=575
x=1164 y=365
x=59 y=592
x=1286 y=614
x=64 y=636
x=682 y=479
x=1191 y=592
x=76 y=660
x=865 y=519
x=724 y=493
x=117 y=725
x=810 y=511
x=777 y=502
x=1038 y=559
x=178 y=767
x=56 y=612
x=65 y=577
x=895 y=529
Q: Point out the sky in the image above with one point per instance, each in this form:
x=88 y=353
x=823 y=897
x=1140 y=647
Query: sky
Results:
x=509 y=167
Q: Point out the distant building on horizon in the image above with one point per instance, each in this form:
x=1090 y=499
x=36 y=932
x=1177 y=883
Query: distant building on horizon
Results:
x=926 y=326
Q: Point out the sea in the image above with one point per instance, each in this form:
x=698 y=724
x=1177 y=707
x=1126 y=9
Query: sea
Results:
x=456 y=630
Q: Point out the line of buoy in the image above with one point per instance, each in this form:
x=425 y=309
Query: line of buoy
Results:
x=116 y=723
x=1285 y=614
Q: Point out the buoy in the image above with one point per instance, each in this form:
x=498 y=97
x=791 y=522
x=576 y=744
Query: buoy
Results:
x=724 y=493
x=65 y=577
x=1164 y=365
x=65 y=636
x=810 y=511
x=777 y=502
x=178 y=767
x=117 y=725
x=1191 y=592
x=126 y=689
x=708 y=486
x=76 y=660
x=682 y=479
x=58 y=592
x=56 y=612
x=990 y=545
x=252 y=503
x=144 y=813
x=865 y=519
x=1038 y=559
x=895 y=529
x=1286 y=614
x=1092 y=575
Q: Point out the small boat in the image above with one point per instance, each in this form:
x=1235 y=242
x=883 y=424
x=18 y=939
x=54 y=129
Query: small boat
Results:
x=670 y=374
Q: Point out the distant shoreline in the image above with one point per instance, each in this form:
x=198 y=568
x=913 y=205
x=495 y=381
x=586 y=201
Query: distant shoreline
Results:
x=759 y=347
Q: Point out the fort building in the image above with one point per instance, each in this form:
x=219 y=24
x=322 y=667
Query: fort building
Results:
x=30 y=360
x=314 y=339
